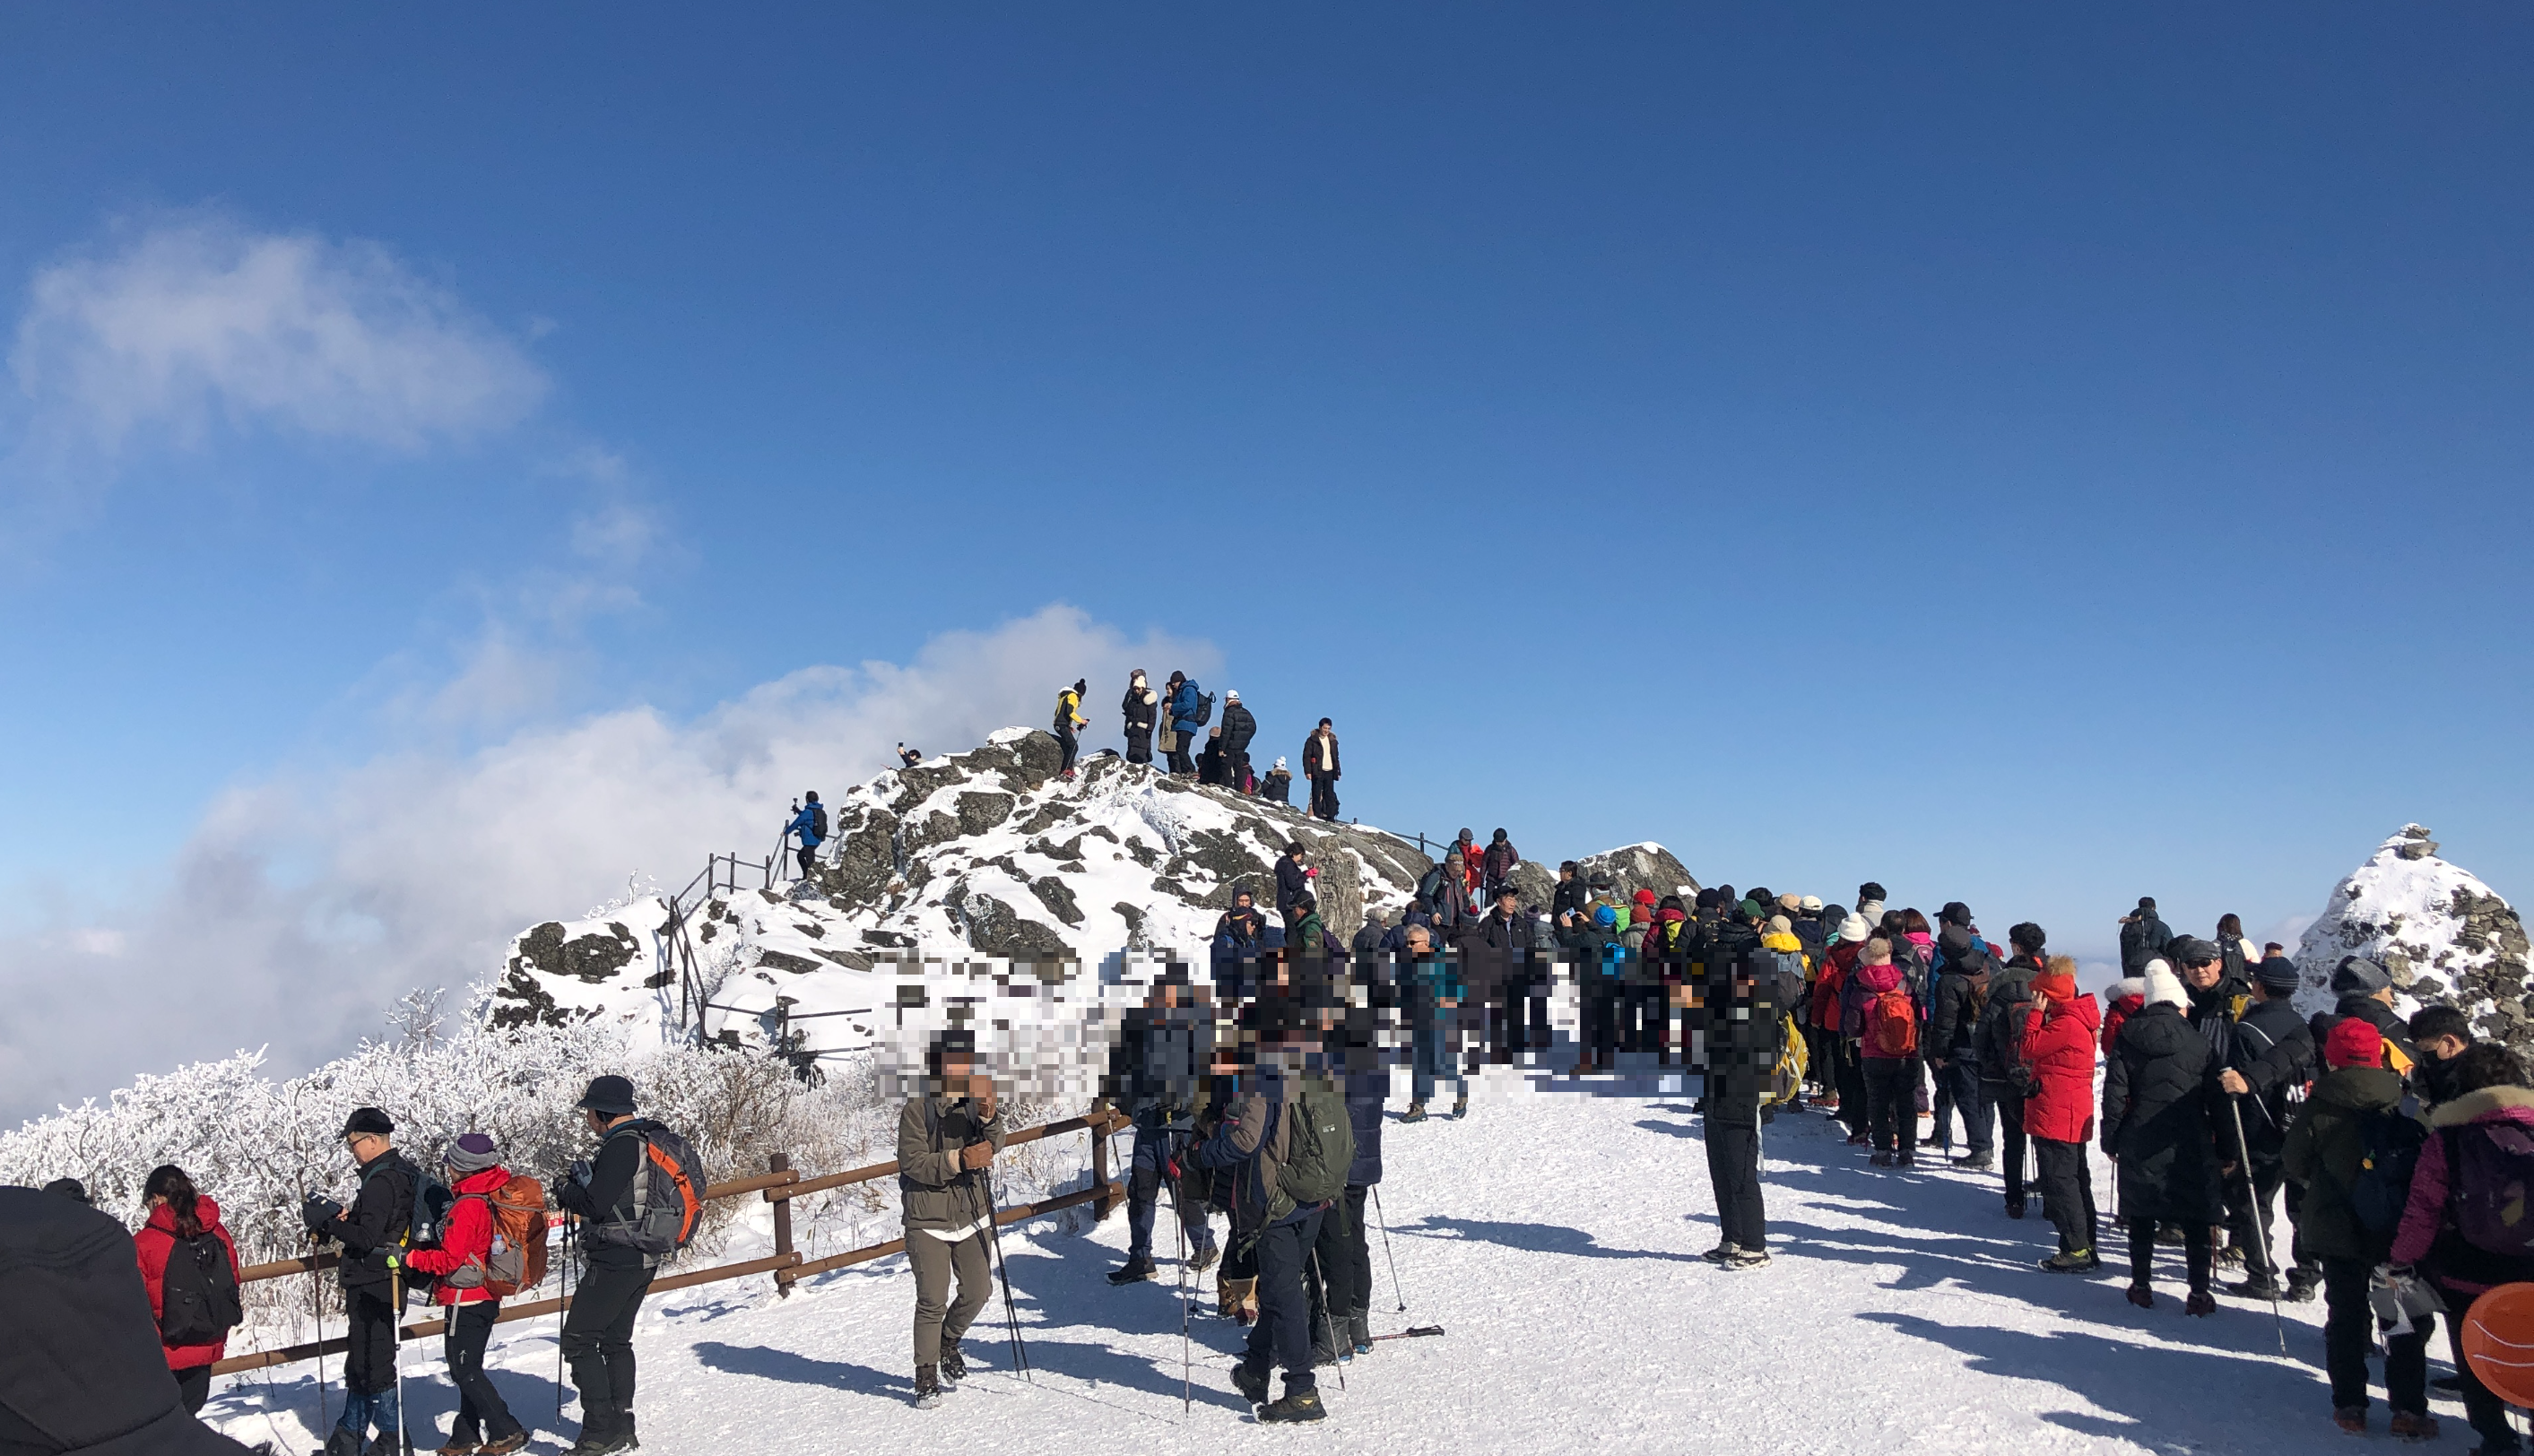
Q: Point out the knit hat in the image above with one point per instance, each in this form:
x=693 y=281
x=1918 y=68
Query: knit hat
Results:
x=1855 y=929
x=1709 y=899
x=2164 y=988
x=1779 y=924
x=1877 y=953
x=1232 y=695
x=1812 y=902
x=2278 y=973
x=473 y=1153
x=1280 y=760
x=610 y=1096
x=1644 y=897
x=2359 y=976
x=2055 y=985
x=2354 y=1042
x=367 y=1120
x=1604 y=916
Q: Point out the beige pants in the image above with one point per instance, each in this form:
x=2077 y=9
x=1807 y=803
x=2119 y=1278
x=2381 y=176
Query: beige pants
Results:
x=939 y=1317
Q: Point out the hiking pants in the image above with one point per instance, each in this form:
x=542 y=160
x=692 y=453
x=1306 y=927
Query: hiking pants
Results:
x=1070 y=741
x=1344 y=1264
x=1324 y=798
x=599 y=1340
x=1969 y=1097
x=1179 y=761
x=481 y=1413
x=1434 y=1060
x=2308 y=1267
x=1854 y=1103
x=807 y=855
x=1733 y=1170
x=194 y=1386
x=940 y=1319
x=369 y=1364
x=1145 y=1179
x=2067 y=1191
x=1892 y=1103
x=2348 y=1328
x=1282 y=1337
x=2487 y=1412
x=2010 y=1115
x=1522 y=1017
x=2249 y=1193
x=1598 y=994
x=2195 y=1257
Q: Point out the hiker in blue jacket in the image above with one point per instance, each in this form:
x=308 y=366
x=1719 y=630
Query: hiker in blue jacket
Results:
x=810 y=825
x=1184 y=727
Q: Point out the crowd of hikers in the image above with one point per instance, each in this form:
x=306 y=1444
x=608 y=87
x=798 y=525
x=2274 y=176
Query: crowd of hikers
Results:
x=1256 y=1081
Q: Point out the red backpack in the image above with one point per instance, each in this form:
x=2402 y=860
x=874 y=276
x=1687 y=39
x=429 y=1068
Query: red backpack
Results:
x=1890 y=1024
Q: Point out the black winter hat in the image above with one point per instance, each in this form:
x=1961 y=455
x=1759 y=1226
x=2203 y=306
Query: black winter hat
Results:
x=612 y=1096
x=1760 y=894
x=367 y=1120
x=2277 y=973
x=1870 y=891
x=68 y=1187
x=1709 y=899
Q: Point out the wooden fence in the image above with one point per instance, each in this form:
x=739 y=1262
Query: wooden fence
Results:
x=779 y=1186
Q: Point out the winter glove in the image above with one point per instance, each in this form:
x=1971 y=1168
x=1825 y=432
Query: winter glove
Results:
x=580 y=1171
x=319 y=1211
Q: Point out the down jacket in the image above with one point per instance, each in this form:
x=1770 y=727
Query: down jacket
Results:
x=155 y=1241
x=2059 y=1033
x=2155 y=1119
x=2426 y=1236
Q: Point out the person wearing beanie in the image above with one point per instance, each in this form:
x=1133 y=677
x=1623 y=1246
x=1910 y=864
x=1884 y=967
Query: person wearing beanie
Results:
x=2155 y=1126
x=1239 y=727
x=372 y=1231
x=1840 y=1016
x=615 y=1277
x=1277 y=785
x=2268 y=1059
x=2326 y=1150
x=2057 y=1042
x=1887 y=1018
x=2366 y=992
x=1181 y=703
x=1998 y=1040
x=2143 y=937
x=1140 y=706
x=462 y=1264
x=1069 y=723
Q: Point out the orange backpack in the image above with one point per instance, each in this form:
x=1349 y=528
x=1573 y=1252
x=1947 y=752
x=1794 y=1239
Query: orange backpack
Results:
x=517 y=1257
x=1890 y=1024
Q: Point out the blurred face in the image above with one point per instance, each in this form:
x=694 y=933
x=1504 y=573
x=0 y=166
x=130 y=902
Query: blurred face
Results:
x=2202 y=976
x=1417 y=940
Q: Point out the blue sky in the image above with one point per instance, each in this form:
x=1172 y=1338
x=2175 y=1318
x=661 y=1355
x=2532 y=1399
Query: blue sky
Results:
x=2033 y=457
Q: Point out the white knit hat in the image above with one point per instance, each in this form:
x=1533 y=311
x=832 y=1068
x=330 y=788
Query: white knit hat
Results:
x=1854 y=929
x=1232 y=695
x=2164 y=988
x=1280 y=760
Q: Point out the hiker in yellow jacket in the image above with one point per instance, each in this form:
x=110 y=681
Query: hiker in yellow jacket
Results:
x=1069 y=722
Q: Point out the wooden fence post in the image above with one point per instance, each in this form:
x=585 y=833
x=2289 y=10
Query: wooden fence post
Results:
x=781 y=1163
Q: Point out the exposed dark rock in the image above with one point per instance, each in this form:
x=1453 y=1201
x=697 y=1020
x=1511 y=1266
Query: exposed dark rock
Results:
x=593 y=958
x=1639 y=867
x=993 y=930
x=1134 y=919
x=776 y=961
x=1057 y=898
x=978 y=812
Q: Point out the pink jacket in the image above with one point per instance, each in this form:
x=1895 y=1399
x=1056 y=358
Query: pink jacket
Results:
x=2424 y=1217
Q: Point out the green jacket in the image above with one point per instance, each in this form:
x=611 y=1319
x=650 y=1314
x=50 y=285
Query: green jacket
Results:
x=937 y=1193
x=2325 y=1151
x=1307 y=937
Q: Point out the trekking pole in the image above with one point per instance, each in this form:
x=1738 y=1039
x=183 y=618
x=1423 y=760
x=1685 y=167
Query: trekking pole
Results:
x=396 y=1342
x=1002 y=1267
x=2261 y=1235
x=1187 y=1366
x=317 y=1315
x=562 y=1313
x=1328 y=1315
x=1386 y=1250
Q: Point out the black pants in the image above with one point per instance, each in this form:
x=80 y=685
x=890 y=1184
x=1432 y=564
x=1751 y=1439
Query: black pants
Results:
x=1733 y=1169
x=2347 y=1326
x=1139 y=745
x=1892 y=1103
x=368 y=1355
x=1517 y=1022
x=1942 y=1134
x=1344 y=1267
x=1598 y=997
x=1854 y=1101
x=598 y=1341
x=1066 y=739
x=1961 y=1076
x=1324 y=798
x=2307 y=1265
x=481 y=1413
x=2248 y=1196
x=1179 y=761
x=2067 y=1191
x=2487 y=1412
x=1642 y=1010
x=2195 y=1253
x=1283 y=1334
x=807 y=855
x=2010 y=1115
x=194 y=1386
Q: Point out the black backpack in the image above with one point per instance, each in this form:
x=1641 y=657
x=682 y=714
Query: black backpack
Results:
x=198 y=1296
x=819 y=820
x=2383 y=1187
x=1204 y=709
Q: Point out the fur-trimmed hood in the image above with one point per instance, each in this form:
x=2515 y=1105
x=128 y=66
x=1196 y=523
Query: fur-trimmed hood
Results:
x=2125 y=988
x=2516 y=1104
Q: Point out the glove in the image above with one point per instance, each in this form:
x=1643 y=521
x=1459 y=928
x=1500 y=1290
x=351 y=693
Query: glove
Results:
x=395 y=1260
x=319 y=1211
x=580 y=1171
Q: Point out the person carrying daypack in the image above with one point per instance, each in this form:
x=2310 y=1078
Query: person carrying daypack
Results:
x=1952 y=1050
x=2269 y=1061
x=1069 y=723
x=374 y=1231
x=1998 y=1038
x=947 y=1142
x=492 y=1245
x=2155 y=1128
x=1186 y=712
x=1888 y=1050
x=2465 y=1223
x=190 y=1265
x=2143 y=937
x=2054 y=1077
x=639 y=1200
x=810 y=825
x=2354 y=1147
x=1289 y=1142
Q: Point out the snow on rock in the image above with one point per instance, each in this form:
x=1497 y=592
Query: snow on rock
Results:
x=2446 y=937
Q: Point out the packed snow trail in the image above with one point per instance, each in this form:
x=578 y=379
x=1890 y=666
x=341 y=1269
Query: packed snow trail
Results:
x=1555 y=1238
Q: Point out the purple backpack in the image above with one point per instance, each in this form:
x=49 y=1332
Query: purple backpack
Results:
x=2490 y=1175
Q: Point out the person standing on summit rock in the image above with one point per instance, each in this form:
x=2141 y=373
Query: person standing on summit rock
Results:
x=1184 y=723
x=1320 y=764
x=2143 y=937
x=810 y=825
x=1239 y=727
x=1069 y=722
x=1139 y=707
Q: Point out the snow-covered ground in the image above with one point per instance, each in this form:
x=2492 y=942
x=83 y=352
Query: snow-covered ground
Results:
x=1555 y=1239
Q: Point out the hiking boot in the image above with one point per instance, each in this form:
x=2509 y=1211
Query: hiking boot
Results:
x=459 y=1445
x=955 y=1362
x=1416 y=1112
x=1301 y=1403
x=2141 y=1297
x=928 y=1387
x=1322 y=1352
x=2413 y=1426
x=1358 y=1331
x=2351 y=1418
x=1882 y=1160
x=2014 y=1208
x=343 y=1442
x=2201 y=1302
x=2447 y=1385
x=1859 y=1139
x=1252 y=1382
x=1721 y=1254
x=1461 y=1105
x=2301 y=1287
x=1977 y=1163
x=2169 y=1235
x=1905 y=1160
x=517 y=1440
x=2265 y=1292
x=2072 y=1262
x=1204 y=1259
x=1139 y=1268
x=2228 y=1257
x=1748 y=1258
x=596 y=1439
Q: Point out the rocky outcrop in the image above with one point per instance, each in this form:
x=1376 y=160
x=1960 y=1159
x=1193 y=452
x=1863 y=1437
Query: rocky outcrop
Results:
x=2446 y=937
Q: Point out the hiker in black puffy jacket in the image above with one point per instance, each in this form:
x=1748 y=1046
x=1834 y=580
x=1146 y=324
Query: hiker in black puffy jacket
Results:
x=1141 y=708
x=2155 y=1128
x=1239 y=727
x=1292 y=881
x=1746 y=1002
x=2143 y=937
x=1953 y=1028
x=2366 y=989
x=1998 y=1039
x=2271 y=1059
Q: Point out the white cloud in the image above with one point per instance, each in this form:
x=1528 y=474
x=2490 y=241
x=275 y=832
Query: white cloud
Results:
x=300 y=906
x=199 y=319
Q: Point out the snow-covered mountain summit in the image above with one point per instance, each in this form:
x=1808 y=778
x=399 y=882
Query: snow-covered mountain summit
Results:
x=2446 y=937
x=982 y=854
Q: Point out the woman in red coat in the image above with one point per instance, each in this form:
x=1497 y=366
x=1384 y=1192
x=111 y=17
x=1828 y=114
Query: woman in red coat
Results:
x=186 y=1225
x=484 y=1422
x=2059 y=1044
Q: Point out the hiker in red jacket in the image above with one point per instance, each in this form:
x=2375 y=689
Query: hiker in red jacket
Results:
x=475 y=1172
x=1888 y=1049
x=2123 y=997
x=2059 y=1041
x=181 y=1216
